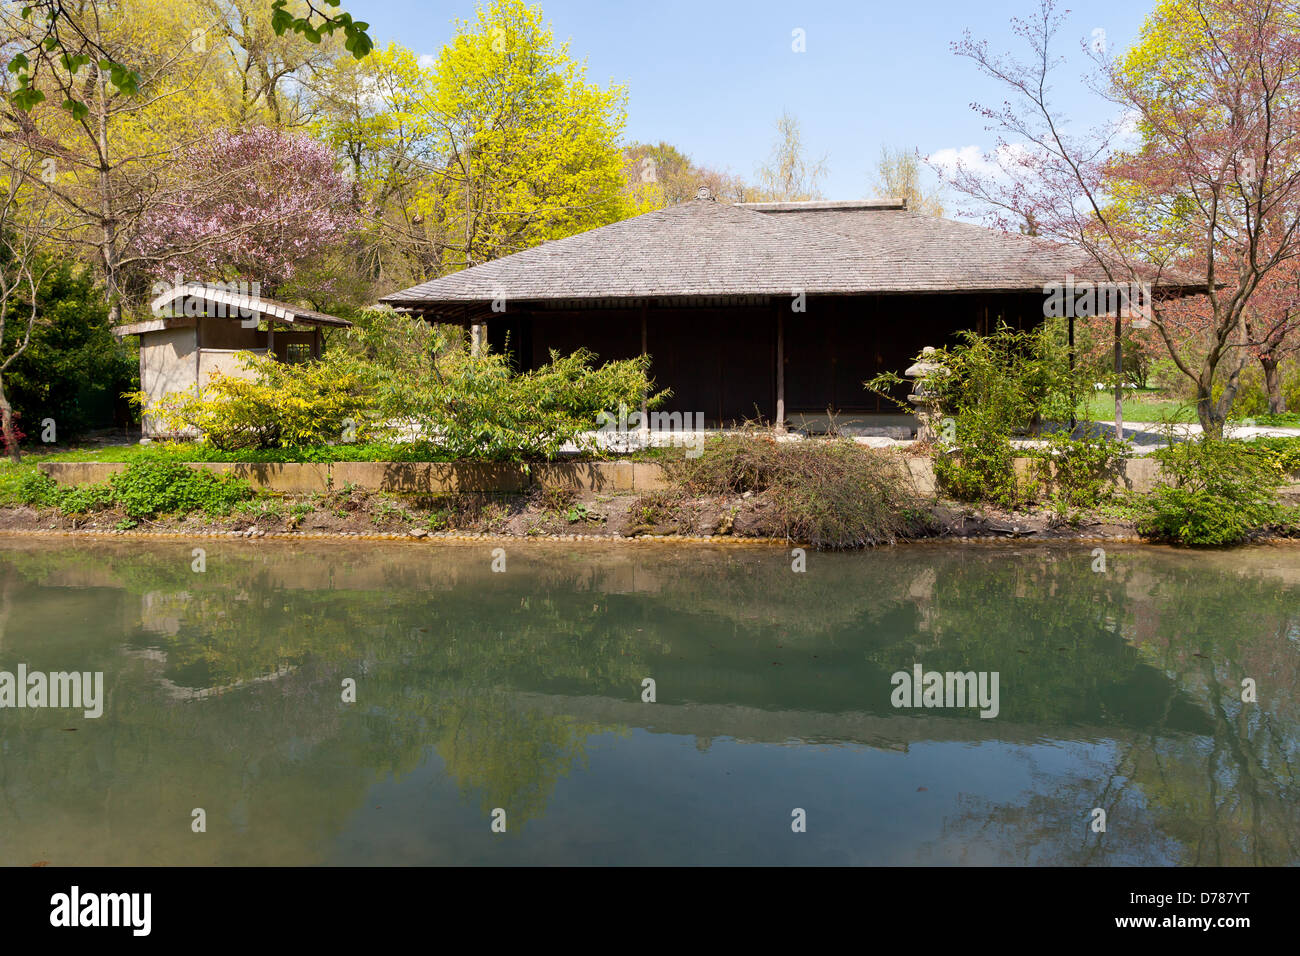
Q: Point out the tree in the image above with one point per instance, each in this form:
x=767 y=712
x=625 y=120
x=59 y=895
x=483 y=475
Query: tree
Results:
x=662 y=175
x=526 y=147
x=789 y=175
x=24 y=222
x=1210 y=198
x=270 y=72
x=109 y=164
x=1277 y=333
x=898 y=175
x=256 y=205
x=497 y=145
x=374 y=112
x=74 y=369
x=58 y=45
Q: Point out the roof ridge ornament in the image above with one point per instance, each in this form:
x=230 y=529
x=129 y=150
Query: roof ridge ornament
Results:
x=704 y=193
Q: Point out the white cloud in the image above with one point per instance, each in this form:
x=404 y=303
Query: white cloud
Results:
x=967 y=157
x=976 y=161
x=425 y=61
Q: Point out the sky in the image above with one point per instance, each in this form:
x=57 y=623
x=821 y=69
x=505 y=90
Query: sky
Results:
x=711 y=77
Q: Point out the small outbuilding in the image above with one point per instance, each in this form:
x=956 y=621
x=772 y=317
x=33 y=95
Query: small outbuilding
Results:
x=197 y=330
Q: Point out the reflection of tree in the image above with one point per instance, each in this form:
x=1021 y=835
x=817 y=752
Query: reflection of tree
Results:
x=454 y=659
x=1226 y=795
x=509 y=755
x=1240 y=804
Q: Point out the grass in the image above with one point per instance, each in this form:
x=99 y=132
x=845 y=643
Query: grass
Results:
x=192 y=451
x=1140 y=407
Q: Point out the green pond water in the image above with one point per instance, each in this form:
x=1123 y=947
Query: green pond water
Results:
x=521 y=692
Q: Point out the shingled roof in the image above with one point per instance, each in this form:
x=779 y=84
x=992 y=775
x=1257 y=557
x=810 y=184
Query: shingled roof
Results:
x=707 y=248
x=236 y=304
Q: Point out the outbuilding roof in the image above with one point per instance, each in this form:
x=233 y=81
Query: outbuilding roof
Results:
x=707 y=248
x=235 y=303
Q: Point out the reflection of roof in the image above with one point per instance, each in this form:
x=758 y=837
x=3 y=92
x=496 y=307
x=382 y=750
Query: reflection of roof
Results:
x=239 y=305
x=896 y=730
x=707 y=248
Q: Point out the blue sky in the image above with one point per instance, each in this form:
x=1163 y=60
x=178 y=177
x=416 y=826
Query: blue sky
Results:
x=712 y=76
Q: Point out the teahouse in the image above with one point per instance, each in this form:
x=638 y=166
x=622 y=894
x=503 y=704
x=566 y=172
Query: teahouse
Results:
x=777 y=311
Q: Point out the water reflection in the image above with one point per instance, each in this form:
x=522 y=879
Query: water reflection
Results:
x=522 y=691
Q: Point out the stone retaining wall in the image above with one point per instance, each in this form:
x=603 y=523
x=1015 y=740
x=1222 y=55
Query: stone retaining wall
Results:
x=1136 y=474
x=402 y=477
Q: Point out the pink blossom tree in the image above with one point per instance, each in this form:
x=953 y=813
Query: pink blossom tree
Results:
x=256 y=205
x=1196 y=182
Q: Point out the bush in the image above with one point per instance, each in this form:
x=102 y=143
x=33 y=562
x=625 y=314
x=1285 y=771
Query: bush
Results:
x=83 y=499
x=1080 y=471
x=1214 y=493
x=395 y=378
x=74 y=369
x=993 y=387
x=981 y=467
x=1284 y=451
x=476 y=406
x=275 y=405
x=145 y=488
x=828 y=493
x=35 y=488
x=148 y=488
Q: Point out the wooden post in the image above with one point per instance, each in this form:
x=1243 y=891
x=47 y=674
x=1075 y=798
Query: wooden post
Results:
x=270 y=338
x=645 y=350
x=780 y=370
x=1074 y=396
x=1119 y=377
x=198 y=355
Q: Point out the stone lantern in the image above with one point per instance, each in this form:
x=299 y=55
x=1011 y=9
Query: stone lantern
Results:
x=925 y=403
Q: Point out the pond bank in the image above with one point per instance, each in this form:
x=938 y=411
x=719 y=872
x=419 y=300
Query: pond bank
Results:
x=554 y=516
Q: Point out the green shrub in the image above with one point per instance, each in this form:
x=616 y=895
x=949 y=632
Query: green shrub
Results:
x=981 y=466
x=394 y=378
x=275 y=405
x=828 y=493
x=1284 y=451
x=37 y=489
x=476 y=407
x=74 y=369
x=148 y=488
x=1213 y=493
x=1080 y=472
x=992 y=387
x=83 y=499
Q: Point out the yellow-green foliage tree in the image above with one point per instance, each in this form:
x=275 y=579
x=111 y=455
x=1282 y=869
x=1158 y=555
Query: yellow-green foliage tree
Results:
x=108 y=160
x=527 y=147
x=374 y=113
x=270 y=404
x=499 y=144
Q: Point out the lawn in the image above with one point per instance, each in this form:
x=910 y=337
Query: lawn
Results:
x=1139 y=407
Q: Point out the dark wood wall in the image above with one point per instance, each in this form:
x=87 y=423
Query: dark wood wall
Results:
x=720 y=360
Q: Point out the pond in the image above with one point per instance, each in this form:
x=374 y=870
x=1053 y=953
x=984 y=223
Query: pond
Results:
x=331 y=702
